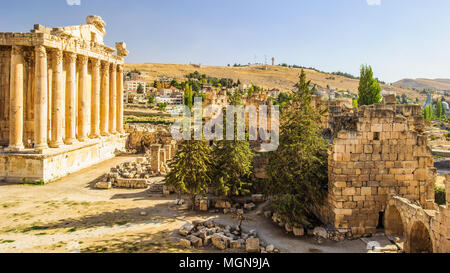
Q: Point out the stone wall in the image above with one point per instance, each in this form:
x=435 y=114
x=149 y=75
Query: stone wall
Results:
x=377 y=151
x=57 y=163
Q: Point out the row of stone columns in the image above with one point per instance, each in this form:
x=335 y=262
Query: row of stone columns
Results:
x=101 y=106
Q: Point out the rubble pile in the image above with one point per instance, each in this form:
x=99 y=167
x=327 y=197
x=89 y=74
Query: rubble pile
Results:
x=134 y=175
x=208 y=233
x=214 y=204
x=320 y=233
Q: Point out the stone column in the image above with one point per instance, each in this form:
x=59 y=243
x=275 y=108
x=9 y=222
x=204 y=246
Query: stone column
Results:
x=155 y=160
x=71 y=107
x=104 y=99
x=16 y=100
x=40 y=99
x=112 y=99
x=168 y=148
x=95 y=100
x=56 y=140
x=83 y=110
x=120 y=99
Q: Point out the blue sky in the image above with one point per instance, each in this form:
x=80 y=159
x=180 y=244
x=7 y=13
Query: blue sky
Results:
x=399 y=38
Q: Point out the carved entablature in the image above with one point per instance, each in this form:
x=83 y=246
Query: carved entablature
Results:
x=97 y=21
x=84 y=39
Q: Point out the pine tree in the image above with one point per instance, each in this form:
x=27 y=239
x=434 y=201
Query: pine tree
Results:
x=369 y=90
x=191 y=168
x=233 y=162
x=297 y=170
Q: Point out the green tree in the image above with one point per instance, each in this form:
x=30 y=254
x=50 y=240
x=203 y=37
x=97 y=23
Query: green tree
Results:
x=190 y=169
x=369 y=90
x=428 y=112
x=162 y=106
x=188 y=95
x=297 y=169
x=151 y=100
x=439 y=110
x=233 y=162
x=140 y=89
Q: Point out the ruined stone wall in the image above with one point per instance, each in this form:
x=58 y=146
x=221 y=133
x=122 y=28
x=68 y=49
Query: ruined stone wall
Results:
x=422 y=230
x=377 y=151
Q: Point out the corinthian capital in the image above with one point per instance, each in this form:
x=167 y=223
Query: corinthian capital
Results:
x=104 y=66
x=96 y=63
x=83 y=60
x=17 y=50
x=113 y=67
x=40 y=51
x=71 y=57
x=57 y=56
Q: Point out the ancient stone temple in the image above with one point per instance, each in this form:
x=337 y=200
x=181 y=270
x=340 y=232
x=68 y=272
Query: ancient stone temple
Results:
x=61 y=106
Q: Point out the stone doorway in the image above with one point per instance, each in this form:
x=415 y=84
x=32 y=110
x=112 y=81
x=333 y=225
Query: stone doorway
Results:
x=420 y=241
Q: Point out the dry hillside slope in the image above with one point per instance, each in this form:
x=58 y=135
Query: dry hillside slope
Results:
x=280 y=77
x=420 y=84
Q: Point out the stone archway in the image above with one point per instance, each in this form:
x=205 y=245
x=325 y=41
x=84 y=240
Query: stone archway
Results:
x=419 y=239
x=393 y=222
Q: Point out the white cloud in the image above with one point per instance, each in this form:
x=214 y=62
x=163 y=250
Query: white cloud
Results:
x=373 y=2
x=73 y=2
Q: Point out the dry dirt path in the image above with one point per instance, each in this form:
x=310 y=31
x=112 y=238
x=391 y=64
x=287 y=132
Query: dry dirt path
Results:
x=70 y=215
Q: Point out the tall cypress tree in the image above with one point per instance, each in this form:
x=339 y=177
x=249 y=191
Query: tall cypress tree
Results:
x=191 y=168
x=297 y=169
x=369 y=90
x=188 y=95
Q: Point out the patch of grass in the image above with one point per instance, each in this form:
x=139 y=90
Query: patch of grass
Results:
x=121 y=223
x=6 y=241
x=10 y=205
x=72 y=230
x=42 y=233
x=32 y=228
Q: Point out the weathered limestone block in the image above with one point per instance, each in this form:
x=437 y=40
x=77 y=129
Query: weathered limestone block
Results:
x=298 y=231
x=184 y=243
x=220 y=241
x=103 y=185
x=252 y=245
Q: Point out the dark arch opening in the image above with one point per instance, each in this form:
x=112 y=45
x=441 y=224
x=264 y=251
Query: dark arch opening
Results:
x=420 y=240
x=380 y=224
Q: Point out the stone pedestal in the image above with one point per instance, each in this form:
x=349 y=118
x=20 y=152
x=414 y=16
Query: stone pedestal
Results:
x=155 y=157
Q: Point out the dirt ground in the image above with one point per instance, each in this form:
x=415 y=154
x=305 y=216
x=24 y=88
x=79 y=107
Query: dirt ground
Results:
x=70 y=215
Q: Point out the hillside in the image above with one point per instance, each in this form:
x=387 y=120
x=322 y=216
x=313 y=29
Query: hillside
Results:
x=280 y=77
x=420 y=84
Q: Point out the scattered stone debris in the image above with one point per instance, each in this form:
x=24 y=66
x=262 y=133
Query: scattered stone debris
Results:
x=321 y=233
x=199 y=234
x=103 y=185
x=134 y=175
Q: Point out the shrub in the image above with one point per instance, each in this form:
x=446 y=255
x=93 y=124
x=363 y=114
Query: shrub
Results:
x=439 y=196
